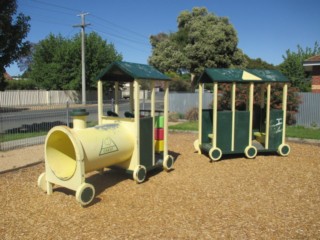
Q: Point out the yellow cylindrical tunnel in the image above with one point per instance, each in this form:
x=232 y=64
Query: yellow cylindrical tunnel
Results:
x=99 y=147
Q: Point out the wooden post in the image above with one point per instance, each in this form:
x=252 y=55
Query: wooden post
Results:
x=137 y=117
x=116 y=97
x=233 y=110
x=100 y=102
x=268 y=115
x=284 y=109
x=251 y=93
x=200 y=115
x=215 y=113
x=165 y=120
x=153 y=106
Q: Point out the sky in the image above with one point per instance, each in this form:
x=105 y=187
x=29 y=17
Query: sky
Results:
x=266 y=28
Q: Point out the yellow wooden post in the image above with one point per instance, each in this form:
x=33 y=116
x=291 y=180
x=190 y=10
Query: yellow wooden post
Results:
x=200 y=115
x=268 y=116
x=284 y=108
x=131 y=97
x=153 y=106
x=137 y=117
x=262 y=103
x=251 y=99
x=233 y=109
x=215 y=113
x=116 y=97
x=100 y=102
x=165 y=119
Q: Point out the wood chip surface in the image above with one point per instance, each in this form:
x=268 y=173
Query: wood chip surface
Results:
x=269 y=197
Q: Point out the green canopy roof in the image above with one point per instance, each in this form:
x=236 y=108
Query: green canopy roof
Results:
x=127 y=72
x=226 y=75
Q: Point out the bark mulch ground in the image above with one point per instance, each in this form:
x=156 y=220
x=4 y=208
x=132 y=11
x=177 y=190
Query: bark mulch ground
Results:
x=269 y=197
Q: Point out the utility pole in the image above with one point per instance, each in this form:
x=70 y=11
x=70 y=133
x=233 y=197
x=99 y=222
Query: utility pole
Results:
x=83 y=59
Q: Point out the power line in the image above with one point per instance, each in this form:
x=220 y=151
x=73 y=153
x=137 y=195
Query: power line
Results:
x=119 y=36
x=118 y=26
x=57 y=6
x=123 y=34
x=137 y=34
x=26 y=4
x=119 y=40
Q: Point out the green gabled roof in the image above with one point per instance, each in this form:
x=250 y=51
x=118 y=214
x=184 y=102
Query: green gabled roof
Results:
x=226 y=75
x=127 y=72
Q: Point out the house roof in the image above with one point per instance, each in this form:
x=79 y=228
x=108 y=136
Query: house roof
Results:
x=127 y=72
x=309 y=63
x=7 y=76
x=226 y=75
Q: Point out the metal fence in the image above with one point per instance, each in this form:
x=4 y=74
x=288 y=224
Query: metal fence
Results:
x=22 y=126
x=182 y=102
x=309 y=110
x=26 y=126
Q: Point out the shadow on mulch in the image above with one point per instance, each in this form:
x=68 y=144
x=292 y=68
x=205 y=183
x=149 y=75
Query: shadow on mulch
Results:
x=240 y=156
x=112 y=177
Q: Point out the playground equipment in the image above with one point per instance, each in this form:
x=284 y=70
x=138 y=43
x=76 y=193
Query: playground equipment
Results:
x=255 y=129
x=123 y=142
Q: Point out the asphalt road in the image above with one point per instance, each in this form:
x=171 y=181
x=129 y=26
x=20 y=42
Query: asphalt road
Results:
x=45 y=118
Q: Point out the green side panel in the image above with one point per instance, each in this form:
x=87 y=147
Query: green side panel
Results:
x=206 y=125
x=224 y=131
x=146 y=141
x=241 y=135
x=159 y=121
x=276 y=125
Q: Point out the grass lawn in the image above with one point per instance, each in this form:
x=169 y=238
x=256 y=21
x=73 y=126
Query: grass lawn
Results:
x=16 y=136
x=292 y=131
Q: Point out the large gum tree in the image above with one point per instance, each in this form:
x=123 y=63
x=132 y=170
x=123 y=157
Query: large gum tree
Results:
x=202 y=40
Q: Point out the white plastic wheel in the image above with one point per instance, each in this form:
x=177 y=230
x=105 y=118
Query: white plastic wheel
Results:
x=284 y=150
x=215 y=154
x=85 y=193
x=250 y=152
x=168 y=163
x=42 y=182
x=139 y=173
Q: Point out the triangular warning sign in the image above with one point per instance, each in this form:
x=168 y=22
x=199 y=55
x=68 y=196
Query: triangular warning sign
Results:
x=108 y=146
x=248 y=76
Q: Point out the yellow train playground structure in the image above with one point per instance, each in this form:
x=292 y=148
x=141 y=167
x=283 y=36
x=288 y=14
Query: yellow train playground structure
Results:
x=140 y=143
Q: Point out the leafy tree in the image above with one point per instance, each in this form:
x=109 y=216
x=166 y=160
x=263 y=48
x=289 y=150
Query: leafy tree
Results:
x=292 y=66
x=202 y=40
x=24 y=62
x=56 y=61
x=258 y=63
x=13 y=30
x=179 y=83
x=24 y=84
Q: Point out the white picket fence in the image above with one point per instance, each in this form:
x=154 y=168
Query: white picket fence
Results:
x=37 y=97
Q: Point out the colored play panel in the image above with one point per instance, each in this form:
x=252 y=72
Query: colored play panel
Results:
x=159 y=121
x=158 y=133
